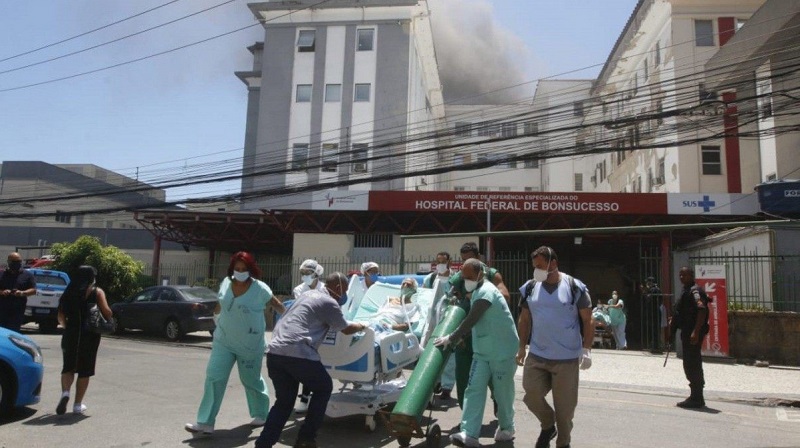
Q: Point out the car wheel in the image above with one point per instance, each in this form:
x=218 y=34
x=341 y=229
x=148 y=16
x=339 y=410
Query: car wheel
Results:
x=6 y=391
x=172 y=330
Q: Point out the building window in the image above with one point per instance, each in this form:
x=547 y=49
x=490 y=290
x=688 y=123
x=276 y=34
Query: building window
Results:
x=712 y=160
x=366 y=37
x=303 y=93
x=505 y=188
x=362 y=93
x=658 y=54
x=463 y=129
x=330 y=157
x=578 y=181
x=63 y=217
x=577 y=108
x=531 y=188
x=532 y=163
x=772 y=176
x=659 y=112
x=646 y=70
x=333 y=93
x=305 y=41
x=459 y=189
x=532 y=128
x=359 y=158
x=460 y=159
x=509 y=163
x=509 y=130
x=764 y=94
x=706 y=95
x=482 y=189
x=483 y=158
x=300 y=156
x=660 y=172
x=704 y=33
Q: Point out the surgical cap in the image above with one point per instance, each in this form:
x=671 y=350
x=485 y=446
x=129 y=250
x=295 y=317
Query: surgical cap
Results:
x=368 y=265
x=312 y=265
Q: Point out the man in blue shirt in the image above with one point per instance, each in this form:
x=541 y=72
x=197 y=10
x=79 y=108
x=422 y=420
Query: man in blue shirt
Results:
x=293 y=358
x=555 y=308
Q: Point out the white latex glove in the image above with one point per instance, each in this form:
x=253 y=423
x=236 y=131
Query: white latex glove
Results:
x=216 y=318
x=442 y=341
x=586 y=359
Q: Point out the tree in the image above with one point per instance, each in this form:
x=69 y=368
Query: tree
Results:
x=117 y=272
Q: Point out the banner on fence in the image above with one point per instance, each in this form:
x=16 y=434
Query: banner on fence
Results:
x=713 y=281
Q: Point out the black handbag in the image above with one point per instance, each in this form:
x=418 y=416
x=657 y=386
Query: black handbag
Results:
x=97 y=323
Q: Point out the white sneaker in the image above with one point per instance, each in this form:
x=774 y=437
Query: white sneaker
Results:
x=199 y=429
x=503 y=435
x=301 y=407
x=79 y=408
x=258 y=422
x=462 y=439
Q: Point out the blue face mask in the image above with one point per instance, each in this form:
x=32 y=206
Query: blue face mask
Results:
x=374 y=277
x=342 y=300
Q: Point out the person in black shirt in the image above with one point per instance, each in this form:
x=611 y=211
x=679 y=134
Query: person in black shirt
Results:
x=691 y=317
x=16 y=284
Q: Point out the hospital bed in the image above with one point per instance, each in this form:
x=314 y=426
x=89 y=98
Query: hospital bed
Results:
x=370 y=368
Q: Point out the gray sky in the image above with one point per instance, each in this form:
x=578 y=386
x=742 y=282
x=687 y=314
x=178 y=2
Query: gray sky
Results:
x=167 y=113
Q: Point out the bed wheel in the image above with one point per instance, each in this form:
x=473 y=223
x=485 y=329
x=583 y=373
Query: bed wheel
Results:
x=404 y=441
x=433 y=438
x=370 y=424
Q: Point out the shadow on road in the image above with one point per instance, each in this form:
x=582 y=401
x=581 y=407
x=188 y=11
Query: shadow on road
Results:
x=56 y=420
x=243 y=435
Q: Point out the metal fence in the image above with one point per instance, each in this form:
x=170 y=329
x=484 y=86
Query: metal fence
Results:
x=759 y=282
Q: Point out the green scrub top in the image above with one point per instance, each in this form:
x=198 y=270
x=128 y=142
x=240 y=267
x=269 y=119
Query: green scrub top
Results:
x=617 y=314
x=494 y=336
x=241 y=325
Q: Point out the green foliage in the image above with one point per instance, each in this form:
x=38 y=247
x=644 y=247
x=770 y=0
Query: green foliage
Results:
x=737 y=306
x=210 y=283
x=117 y=272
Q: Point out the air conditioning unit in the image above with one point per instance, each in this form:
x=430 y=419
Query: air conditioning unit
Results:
x=359 y=167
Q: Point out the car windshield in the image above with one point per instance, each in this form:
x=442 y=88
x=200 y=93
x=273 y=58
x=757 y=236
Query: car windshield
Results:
x=199 y=294
x=42 y=279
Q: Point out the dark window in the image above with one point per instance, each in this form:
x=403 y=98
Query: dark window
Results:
x=531 y=128
x=359 y=159
x=362 y=93
x=704 y=33
x=463 y=129
x=330 y=157
x=509 y=130
x=300 y=156
x=712 y=160
x=366 y=37
x=577 y=108
x=532 y=163
x=65 y=218
x=373 y=240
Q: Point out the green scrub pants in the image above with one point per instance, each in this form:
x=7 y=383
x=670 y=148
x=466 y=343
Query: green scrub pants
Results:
x=501 y=374
x=218 y=371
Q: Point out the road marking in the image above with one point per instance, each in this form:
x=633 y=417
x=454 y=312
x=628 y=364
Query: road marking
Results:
x=787 y=415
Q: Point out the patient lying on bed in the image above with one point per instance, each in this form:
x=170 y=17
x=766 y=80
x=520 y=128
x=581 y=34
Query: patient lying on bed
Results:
x=398 y=312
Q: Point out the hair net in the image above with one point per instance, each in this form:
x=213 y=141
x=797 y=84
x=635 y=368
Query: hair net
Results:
x=368 y=265
x=312 y=265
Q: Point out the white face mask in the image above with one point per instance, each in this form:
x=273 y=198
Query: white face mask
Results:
x=540 y=275
x=241 y=276
x=308 y=279
x=470 y=285
x=441 y=268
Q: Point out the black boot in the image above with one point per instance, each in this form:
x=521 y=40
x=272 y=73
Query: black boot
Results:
x=695 y=400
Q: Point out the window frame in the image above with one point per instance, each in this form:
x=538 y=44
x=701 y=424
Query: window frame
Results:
x=356 y=89
x=306 y=47
x=297 y=98
x=708 y=165
x=371 y=42
x=297 y=164
x=698 y=36
x=329 y=163
x=355 y=159
x=327 y=93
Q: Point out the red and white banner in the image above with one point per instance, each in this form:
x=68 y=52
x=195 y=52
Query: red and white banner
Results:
x=712 y=279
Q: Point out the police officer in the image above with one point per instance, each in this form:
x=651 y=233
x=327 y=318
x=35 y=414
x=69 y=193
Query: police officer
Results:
x=16 y=284
x=691 y=317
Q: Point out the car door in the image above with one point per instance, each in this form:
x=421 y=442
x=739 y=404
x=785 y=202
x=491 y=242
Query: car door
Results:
x=164 y=307
x=133 y=313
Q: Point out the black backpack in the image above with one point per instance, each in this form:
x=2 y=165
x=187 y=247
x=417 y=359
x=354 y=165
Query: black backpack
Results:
x=574 y=290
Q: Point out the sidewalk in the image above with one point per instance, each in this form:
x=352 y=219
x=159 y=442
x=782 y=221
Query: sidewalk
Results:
x=645 y=372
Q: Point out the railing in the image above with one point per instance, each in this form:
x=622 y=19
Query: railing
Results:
x=759 y=282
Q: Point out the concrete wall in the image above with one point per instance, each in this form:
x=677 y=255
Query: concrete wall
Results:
x=774 y=337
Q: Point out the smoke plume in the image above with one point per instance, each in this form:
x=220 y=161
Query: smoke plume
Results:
x=478 y=58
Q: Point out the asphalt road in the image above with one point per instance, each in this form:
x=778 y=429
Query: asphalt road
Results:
x=146 y=390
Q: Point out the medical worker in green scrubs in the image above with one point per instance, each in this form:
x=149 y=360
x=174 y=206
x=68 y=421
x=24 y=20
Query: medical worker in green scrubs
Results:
x=238 y=339
x=494 y=336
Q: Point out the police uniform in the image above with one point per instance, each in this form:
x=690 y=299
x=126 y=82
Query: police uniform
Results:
x=693 y=300
x=12 y=308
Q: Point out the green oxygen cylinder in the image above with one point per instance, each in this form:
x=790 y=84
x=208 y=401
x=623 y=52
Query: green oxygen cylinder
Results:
x=415 y=396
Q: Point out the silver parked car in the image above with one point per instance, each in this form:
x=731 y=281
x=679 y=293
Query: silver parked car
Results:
x=169 y=310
